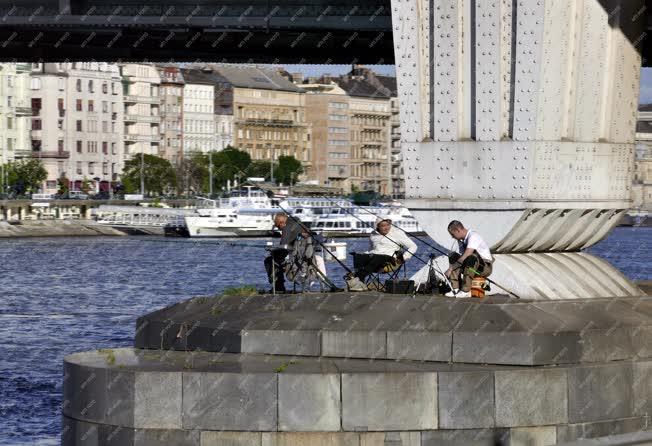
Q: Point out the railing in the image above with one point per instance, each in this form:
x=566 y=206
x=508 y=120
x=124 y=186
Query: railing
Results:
x=270 y=122
x=144 y=138
x=51 y=154
x=142 y=99
x=23 y=111
x=139 y=118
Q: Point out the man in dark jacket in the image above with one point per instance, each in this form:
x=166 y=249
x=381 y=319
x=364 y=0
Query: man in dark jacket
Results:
x=290 y=231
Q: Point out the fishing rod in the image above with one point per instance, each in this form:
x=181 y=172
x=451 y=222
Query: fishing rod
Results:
x=427 y=244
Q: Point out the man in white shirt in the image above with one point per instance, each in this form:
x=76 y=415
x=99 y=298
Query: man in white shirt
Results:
x=474 y=257
x=388 y=246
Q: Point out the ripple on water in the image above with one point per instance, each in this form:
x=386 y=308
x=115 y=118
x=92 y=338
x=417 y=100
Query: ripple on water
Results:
x=68 y=295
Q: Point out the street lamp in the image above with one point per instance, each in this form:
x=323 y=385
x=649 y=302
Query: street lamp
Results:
x=271 y=164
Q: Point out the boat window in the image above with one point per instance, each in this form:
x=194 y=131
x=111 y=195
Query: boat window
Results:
x=329 y=224
x=348 y=224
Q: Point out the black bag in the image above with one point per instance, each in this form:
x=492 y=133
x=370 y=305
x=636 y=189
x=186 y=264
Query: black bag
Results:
x=399 y=286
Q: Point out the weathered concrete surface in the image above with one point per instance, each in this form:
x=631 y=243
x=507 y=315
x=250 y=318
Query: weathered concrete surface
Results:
x=495 y=330
x=56 y=228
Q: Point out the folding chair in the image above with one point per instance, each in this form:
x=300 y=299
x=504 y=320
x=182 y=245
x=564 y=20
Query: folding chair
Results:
x=391 y=269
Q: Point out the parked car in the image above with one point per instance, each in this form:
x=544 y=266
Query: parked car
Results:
x=103 y=195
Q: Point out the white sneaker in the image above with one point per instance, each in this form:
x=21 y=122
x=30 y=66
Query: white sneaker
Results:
x=355 y=284
x=450 y=294
x=458 y=294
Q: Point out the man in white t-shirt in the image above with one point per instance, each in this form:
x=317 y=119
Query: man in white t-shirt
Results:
x=474 y=257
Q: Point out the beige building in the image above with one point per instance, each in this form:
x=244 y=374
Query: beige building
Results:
x=141 y=83
x=269 y=113
x=15 y=115
x=76 y=124
x=171 y=111
x=642 y=187
x=327 y=108
x=198 y=110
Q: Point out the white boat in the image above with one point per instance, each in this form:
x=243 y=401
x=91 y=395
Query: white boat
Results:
x=361 y=220
x=307 y=209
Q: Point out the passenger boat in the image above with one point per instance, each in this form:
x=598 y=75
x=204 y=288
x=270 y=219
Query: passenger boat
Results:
x=361 y=221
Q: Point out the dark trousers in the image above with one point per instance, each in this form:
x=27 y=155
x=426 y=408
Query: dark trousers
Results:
x=274 y=268
x=462 y=275
x=365 y=264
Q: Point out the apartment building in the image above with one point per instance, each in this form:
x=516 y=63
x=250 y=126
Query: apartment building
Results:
x=198 y=110
x=15 y=114
x=269 y=113
x=327 y=108
x=142 y=120
x=77 y=123
x=642 y=187
x=171 y=111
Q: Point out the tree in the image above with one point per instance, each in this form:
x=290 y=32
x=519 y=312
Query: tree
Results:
x=26 y=175
x=86 y=186
x=288 y=170
x=259 y=168
x=192 y=173
x=63 y=184
x=158 y=174
x=228 y=164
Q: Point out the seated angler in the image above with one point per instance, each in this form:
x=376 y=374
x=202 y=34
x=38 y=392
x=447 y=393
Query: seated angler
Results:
x=388 y=246
x=473 y=259
x=290 y=231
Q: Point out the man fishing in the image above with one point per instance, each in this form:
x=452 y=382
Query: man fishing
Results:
x=472 y=259
x=290 y=231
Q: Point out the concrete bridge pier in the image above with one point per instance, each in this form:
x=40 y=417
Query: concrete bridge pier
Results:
x=518 y=118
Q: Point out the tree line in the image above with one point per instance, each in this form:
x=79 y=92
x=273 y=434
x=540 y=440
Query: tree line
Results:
x=191 y=176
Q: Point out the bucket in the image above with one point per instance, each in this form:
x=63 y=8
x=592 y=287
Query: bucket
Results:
x=477 y=287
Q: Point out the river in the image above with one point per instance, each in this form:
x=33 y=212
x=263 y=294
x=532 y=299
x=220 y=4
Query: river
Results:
x=64 y=295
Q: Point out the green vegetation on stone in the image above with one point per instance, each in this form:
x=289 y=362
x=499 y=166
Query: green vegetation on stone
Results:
x=246 y=290
x=109 y=355
x=283 y=367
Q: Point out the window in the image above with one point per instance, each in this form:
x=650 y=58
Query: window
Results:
x=91 y=106
x=10 y=81
x=10 y=123
x=60 y=106
x=105 y=147
x=60 y=124
x=36 y=124
x=36 y=106
x=114 y=151
x=79 y=87
x=35 y=84
x=105 y=168
x=79 y=125
x=105 y=107
x=79 y=147
x=91 y=168
x=105 y=126
x=61 y=83
x=90 y=86
x=36 y=145
x=79 y=168
x=10 y=101
x=105 y=88
x=113 y=88
x=78 y=105
x=60 y=145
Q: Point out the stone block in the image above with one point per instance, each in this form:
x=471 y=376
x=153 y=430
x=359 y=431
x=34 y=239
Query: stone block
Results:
x=419 y=345
x=120 y=397
x=354 y=344
x=493 y=348
x=390 y=439
x=311 y=438
x=158 y=400
x=389 y=401
x=230 y=401
x=79 y=433
x=642 y=388
x=157 y=437
x=465 y=437
x=309 y=402
x=533 y=436
x=84 y=392
x=577 y=431
x=282 y=342
x=642 y=341
x=531 y=397
x=612 y=344
x=212 y=438
x=600 y=392
x=116 y=435
x=466 y=400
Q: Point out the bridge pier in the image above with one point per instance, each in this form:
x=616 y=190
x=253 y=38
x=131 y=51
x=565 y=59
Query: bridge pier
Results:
x=518 y=118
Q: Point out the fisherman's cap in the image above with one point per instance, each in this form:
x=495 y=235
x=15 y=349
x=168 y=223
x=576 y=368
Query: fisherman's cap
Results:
x=381 y=218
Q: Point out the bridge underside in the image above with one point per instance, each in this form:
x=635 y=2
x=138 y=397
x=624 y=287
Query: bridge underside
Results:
x=258 y=31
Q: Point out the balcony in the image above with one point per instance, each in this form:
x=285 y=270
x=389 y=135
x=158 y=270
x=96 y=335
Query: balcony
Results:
x=23 y=111
x=142 y=138
x=132 y=99
x=269 y=122
x=62 y=112
x=61 y=154
x=140 y=118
